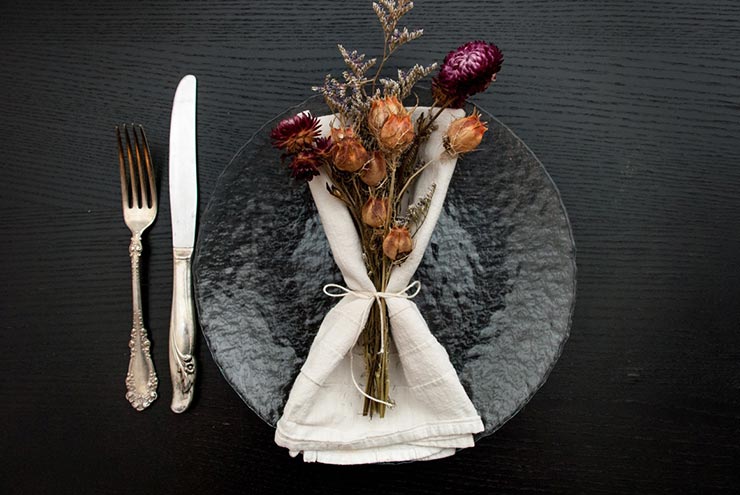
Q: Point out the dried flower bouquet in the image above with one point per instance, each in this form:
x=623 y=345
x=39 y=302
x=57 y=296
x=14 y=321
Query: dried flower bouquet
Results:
x=372 y=160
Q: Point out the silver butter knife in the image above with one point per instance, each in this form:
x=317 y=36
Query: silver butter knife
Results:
x=183 y=208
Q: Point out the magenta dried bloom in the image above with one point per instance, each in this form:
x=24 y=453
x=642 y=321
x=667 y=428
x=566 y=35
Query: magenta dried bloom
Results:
x=467 y=71
x=295 y=133
x=323 y=145
x=305 y=165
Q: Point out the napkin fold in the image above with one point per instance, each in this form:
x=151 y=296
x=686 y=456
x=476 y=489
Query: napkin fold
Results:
x=433 y=415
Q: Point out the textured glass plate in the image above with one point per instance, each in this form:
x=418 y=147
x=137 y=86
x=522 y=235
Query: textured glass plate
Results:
x=498 y=277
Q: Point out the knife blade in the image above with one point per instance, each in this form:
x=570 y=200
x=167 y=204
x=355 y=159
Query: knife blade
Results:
x=183 y=180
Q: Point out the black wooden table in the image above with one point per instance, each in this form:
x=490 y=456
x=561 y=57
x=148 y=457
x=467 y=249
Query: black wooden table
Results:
x=632 y=106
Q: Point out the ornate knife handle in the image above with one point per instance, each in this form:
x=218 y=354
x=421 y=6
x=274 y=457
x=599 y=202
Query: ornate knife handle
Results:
x=182 y=332
x=141 y=379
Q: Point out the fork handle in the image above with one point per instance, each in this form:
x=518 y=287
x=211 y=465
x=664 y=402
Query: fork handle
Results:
x=141 y=379
x=182 y=331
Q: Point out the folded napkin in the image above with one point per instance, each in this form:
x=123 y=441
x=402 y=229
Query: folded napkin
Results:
x=433 y=416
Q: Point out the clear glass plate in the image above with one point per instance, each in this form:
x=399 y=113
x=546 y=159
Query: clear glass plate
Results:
x=498 y=276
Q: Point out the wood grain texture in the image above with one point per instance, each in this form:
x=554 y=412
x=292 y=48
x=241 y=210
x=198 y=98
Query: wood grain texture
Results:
x=632 y=106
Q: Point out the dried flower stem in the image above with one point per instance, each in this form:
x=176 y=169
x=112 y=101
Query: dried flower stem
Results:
x=386 y=55
x=410 y=180
x=379 y=268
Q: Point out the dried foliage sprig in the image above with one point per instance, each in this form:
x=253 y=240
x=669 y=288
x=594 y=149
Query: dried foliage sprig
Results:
x=371 y=159
x=417 y=213
x=406 y=81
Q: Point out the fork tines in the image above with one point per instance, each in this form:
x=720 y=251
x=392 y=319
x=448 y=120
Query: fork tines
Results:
x=137 y=175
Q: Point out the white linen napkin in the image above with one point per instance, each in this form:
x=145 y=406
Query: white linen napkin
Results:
x=433 y=416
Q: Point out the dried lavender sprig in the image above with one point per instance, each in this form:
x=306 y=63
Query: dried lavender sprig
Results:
x=417 y=213
x=356 y=61
x=403 y=36
x=406 y=80
x=389 y=12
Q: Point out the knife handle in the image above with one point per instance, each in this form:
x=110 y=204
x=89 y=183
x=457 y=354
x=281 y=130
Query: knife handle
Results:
x=182 y=331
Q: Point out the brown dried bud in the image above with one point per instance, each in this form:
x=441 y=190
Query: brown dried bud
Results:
x=397 y=243
x=397 y=133
x=375 y=212
x=348 y=153
x=381 y=109
x=374 y=171
x=465 y=134
x=391 y=123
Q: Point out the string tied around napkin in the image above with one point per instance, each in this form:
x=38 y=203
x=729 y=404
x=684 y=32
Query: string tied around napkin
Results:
x=377 y=296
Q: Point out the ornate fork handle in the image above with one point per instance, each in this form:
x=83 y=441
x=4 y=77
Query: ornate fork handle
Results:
x=141 y=379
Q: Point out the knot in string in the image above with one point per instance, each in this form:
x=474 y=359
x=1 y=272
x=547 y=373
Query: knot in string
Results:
x=336 y=290
x=363 y=294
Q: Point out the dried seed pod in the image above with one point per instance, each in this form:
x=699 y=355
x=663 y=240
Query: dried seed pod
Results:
x=348 y=153
x=465 y=134
x=375 y=170
x=397 y=133
x=391 y=124
x=397 y=243
x=375 y=212
x=381 y=109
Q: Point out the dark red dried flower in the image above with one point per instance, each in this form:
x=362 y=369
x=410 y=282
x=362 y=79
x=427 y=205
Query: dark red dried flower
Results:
x=467 y=71
x=305 y=165
x=295 y=133
x=323 y=145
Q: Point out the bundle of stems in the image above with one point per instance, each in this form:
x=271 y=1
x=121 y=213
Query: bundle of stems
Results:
x=402 y=169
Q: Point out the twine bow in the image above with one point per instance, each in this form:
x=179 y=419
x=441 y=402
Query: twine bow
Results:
x=377 y=296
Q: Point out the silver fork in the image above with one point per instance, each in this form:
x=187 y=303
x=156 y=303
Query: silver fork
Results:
x=139 y=198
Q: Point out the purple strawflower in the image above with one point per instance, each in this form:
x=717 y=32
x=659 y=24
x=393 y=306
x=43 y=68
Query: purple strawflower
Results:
x=305 y=165
x=296 y=133
x=467 y=71
x=322 y=146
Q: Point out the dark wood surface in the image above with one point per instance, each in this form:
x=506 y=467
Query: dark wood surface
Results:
x=632 y=106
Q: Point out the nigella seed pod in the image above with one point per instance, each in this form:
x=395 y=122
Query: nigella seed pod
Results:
x=397 y=133
x=375 y=212
x=397 y=243
x=465 y=134
x=391 y=124
x=381 y=109
x=378 y=115
x=375 y=171
x=347 y=152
